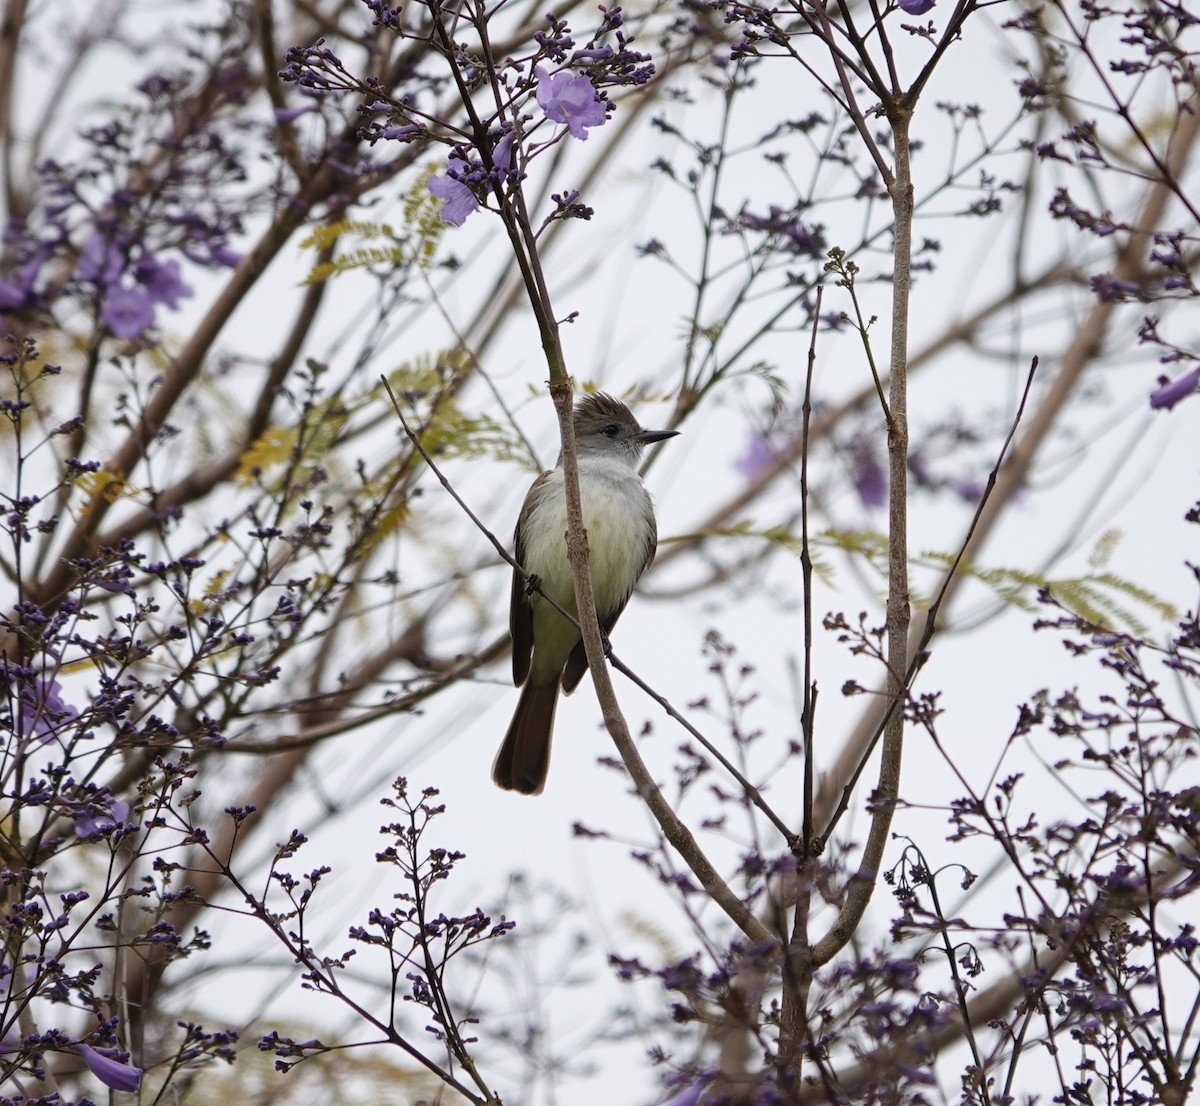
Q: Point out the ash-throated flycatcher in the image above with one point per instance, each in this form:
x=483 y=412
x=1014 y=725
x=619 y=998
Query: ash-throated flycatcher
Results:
x=622 y=536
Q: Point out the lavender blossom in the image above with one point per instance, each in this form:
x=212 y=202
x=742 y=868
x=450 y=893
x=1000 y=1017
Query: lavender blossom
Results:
x=128 y=311
x=102 y=260
x=758 y=455
x=112 y=1073
x=458 y=201
x=94 y=821
x=570 y=100
x=162 y=281
x=1170 y=392
x=43 y=710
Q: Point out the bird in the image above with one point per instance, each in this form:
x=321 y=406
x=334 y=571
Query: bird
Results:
x=618 y=515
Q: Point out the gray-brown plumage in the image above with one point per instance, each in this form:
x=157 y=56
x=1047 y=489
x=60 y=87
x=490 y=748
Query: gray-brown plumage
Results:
x=548 y=651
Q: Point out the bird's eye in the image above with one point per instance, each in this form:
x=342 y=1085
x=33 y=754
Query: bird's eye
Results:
x=612 y=430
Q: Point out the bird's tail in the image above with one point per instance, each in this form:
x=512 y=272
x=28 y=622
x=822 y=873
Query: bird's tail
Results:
x=524 y=758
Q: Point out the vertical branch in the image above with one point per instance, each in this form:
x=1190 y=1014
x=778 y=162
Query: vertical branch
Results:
x=1072 y=365
x=810 y=691
x=883 y=799
x=11 y=23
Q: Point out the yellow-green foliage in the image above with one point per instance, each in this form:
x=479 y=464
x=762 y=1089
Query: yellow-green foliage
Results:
x=445 y=430
x=279 y=447
x=773 y=535
x=427 y=385
x=416 y=242
x=1099 y=597
x=107 y=485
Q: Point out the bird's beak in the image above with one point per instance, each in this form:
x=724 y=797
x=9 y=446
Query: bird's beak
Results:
x=649 y=437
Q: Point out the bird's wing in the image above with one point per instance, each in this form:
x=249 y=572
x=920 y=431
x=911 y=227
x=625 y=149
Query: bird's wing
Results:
x=520 y=611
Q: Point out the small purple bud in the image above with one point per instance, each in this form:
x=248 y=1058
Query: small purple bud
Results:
x=290 y=115
x=223 y=255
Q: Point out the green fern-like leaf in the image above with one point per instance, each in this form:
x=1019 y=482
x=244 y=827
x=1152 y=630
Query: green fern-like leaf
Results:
x=271 y=448
x=777 y=536
x=384 y=525
x=1103 y=598
x=361 y=258
x=1143 y=595
x=416 y=242
x=1106 y=545
x=276 y=446
x=446 y=431
x=326 y=235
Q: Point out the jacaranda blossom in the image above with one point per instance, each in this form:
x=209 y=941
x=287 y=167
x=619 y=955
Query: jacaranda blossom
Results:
x=1170 y=392
x=94 y=820
x=502 y=154
x=128 y=311
x=18 y=293
x=570 y=100
x=758 y=456
x=917 y=7
x=43 y=709
x=102 y=259
x=162 y=280
x=870 y=481
x=458 y=201
x=112 y=1073
x=691 y=1094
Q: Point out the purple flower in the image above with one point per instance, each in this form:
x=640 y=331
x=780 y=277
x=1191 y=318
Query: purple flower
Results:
x=223 y=255
x=1170 y=392
x=18 y=293
x=870 y=480
x=43 y=710
x=128 y=311
x=1111 y=289
x=798 y=238
x=502 y=154
x=161 y=280
x=12 y=297
x=101 y=261
x=112 y=1073
x=759 y=454
x=570 y=100
x=917 y=7
x=93 y=820
x=968 y=488
x=290 y=115
x=458 y=201
x=691 y=1094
